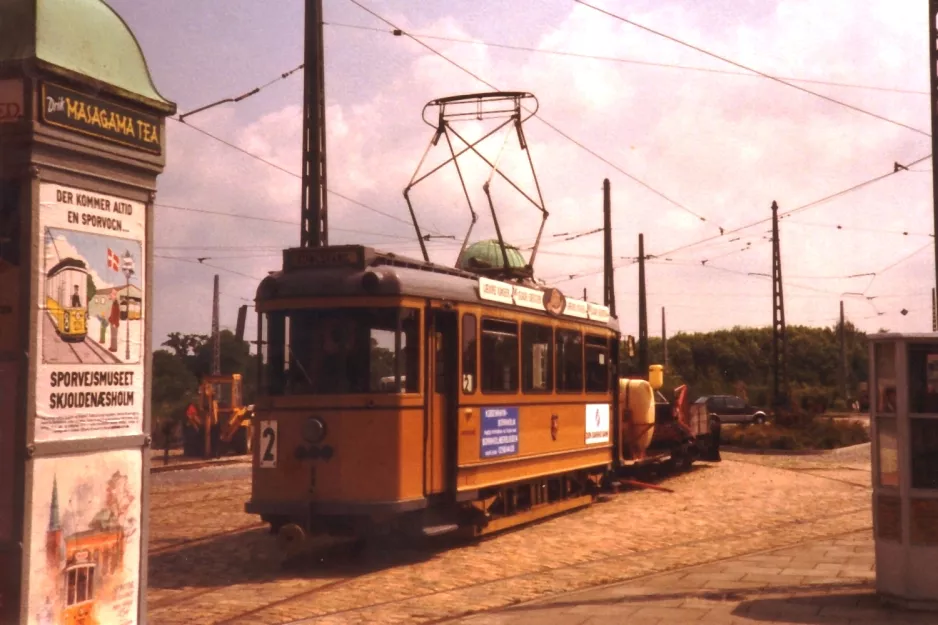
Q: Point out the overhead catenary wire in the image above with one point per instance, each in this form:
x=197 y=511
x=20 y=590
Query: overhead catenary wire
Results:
x=763 y=74
x=539 y=118
x=288 y=172
x=782 y=215
x=613 y=59
x=273 y=220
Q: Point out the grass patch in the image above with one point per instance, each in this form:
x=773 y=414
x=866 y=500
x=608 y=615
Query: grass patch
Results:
x=818 y=433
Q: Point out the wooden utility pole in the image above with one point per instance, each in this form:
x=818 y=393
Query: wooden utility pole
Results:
x=664 y=338
x=609 y=286
x=843 y=353
x=933 y=87
x=216 y=338
x=934 y=312
x=642 y=311
x=314 y=214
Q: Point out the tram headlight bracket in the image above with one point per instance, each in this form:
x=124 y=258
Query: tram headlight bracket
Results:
x=314 y=430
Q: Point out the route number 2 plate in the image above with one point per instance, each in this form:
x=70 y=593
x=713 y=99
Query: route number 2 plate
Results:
x=268 y=445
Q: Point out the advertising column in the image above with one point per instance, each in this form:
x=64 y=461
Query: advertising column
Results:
x=84 y=532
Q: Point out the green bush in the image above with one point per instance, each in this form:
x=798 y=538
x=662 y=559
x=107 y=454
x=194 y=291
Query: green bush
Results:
x=816 y=434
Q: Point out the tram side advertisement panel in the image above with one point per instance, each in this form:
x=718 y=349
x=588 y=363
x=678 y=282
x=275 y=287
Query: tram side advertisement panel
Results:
x=84 y=543
x=90 y=298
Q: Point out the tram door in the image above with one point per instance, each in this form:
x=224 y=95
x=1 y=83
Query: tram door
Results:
x=441 y=452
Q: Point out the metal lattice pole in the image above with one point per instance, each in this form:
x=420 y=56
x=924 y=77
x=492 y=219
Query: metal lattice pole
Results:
x=313 y=215
x=779 y=339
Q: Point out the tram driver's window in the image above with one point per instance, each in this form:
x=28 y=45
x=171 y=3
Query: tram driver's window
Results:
x=923 y=378
x=499 y=356
x=469 y=356
x=569 y=361
x=597 y=364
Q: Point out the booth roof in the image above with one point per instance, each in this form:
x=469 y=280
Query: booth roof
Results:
x=85 y=37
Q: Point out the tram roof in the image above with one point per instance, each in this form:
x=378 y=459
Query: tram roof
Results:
x=352 y=270
x=68 y=263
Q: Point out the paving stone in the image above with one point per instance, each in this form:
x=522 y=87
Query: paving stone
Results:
x=238 y=578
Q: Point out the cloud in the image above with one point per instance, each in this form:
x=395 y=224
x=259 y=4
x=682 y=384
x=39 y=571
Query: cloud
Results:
x=723 y=146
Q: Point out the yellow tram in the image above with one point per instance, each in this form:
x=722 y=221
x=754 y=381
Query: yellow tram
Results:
x=130 y=307
x=397 y=392
x=80 y=590
x=67 y=299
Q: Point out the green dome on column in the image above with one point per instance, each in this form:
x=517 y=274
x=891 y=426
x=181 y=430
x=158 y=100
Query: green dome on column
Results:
x=85 y=37
x=489 y=254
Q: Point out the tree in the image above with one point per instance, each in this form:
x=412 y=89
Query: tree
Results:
x=184 y=345
x=91 y=288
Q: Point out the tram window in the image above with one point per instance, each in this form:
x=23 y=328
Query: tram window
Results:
x=499 y=356
x=342 y=351
x=537 y=363
x=569 y=360
x=597 y=364
x=469 y=356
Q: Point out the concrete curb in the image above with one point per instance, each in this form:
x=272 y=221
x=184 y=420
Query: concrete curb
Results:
x=199 y=464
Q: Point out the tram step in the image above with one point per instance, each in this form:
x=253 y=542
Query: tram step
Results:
x=436 y=530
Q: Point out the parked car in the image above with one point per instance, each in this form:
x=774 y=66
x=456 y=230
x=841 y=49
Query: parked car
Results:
x=732 y=409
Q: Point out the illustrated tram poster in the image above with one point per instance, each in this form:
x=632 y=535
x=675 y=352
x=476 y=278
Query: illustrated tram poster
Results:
x=90 y=298
x=85 y=541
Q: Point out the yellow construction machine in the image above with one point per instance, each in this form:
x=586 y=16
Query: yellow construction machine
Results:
x=218 y=422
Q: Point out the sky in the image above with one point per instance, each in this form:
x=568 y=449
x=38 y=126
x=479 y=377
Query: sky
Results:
x=688 y=150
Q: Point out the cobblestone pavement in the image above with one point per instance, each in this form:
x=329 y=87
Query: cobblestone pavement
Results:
x=744 y=505
x=827 y=582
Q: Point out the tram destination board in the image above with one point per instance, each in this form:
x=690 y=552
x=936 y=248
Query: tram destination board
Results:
x=351 y=256
x=99 y=118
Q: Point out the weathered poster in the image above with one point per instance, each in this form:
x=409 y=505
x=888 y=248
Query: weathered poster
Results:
x=90 y=379
x=85 y=540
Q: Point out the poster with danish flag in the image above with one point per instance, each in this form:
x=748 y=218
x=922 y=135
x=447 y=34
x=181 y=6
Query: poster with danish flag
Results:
x=92 y=330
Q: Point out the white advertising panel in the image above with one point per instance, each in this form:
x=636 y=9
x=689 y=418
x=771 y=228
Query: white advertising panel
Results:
x=597 y=423
x=91 y=329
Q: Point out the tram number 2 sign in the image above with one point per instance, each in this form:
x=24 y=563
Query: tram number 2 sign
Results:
x=267 y=449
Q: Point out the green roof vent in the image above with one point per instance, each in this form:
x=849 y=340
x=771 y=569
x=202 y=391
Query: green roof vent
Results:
x=485 y=257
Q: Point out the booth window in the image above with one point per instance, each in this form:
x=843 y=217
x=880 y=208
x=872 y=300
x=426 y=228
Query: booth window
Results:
x=923 y=437
x=923 y=379
x=885 y=386
x=887 y=451
x=499 y=356
x=538 y=358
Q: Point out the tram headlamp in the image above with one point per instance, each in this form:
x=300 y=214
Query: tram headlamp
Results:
x=371 y=281
x=314 y=430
